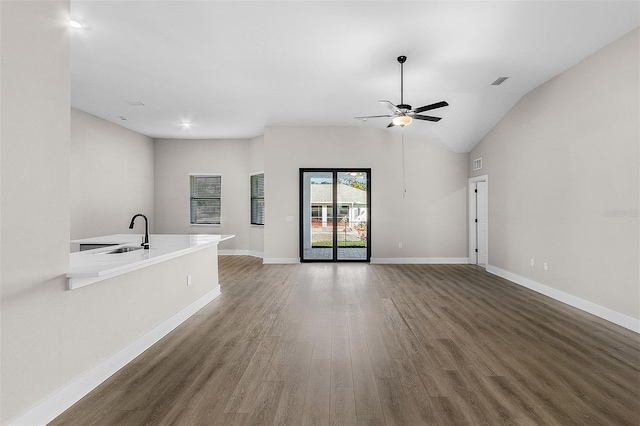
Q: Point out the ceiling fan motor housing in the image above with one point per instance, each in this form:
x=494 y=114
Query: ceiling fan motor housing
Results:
x=404 y=106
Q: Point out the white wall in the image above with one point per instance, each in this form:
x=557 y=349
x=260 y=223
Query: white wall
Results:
x=111 y=177
x=562 y=158
x=35 y=198
x=430 y=221
x=256 y=165
x=175 y=160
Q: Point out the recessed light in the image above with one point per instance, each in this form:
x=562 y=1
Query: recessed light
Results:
x=123 y=118
x=185 y=124
x=75 y=24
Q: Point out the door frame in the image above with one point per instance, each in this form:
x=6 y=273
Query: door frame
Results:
x=473 y=227
x=335 y=172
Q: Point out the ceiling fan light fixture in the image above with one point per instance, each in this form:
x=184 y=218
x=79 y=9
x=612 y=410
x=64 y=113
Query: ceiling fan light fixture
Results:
x=401 y=120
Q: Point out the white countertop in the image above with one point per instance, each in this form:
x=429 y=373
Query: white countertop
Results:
x=90 y=266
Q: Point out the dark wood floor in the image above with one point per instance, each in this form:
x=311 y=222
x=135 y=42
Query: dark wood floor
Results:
x=333 y=344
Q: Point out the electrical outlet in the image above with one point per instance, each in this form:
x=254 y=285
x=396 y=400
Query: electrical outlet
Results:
x=189 y=279
x=546 y=266
x=399 y=245
x=533 y=262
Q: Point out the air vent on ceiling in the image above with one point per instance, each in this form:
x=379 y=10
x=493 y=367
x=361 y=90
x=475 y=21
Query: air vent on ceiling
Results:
x=477 y=163
x=499 y=81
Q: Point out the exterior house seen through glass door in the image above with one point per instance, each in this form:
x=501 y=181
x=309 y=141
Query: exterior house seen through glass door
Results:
x=335 y=215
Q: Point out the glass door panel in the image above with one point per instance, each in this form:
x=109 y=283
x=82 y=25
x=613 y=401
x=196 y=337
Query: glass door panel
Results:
x=317 y=215
x=352 y=207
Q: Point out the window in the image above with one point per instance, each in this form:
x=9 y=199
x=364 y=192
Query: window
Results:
x=205 y=200
x=316 y=215
x=257 y=199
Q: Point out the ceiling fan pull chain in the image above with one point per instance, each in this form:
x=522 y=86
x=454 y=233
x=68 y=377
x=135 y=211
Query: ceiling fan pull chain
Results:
x=404 y=175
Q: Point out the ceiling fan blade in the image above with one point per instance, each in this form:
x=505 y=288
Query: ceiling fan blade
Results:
x=391 y=106
x=427 y=118
x=430 y=107
x=391 y=124
x=372 y=116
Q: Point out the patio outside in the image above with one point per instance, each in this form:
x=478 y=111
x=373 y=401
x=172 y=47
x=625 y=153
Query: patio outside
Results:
x=352 y=215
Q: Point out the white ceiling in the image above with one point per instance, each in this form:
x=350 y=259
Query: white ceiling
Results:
x=231 y=68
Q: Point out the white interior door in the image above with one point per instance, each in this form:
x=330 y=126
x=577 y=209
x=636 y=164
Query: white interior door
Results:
x=482 y=222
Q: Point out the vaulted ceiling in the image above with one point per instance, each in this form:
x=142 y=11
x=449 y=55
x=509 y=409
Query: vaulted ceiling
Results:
x=231 y=68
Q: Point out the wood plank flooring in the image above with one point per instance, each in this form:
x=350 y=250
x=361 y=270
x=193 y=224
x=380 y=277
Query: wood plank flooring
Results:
x=347 y=344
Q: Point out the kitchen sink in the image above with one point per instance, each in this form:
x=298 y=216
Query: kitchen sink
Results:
x=125 y=249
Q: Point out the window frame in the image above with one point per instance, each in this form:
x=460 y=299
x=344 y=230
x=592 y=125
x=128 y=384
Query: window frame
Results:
x=257 y=198
x=195 y=197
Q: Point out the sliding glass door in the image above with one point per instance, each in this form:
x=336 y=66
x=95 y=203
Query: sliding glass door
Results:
x=335 y=214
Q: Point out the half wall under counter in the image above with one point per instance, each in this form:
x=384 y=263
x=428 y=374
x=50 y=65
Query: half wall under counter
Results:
x=91 y=266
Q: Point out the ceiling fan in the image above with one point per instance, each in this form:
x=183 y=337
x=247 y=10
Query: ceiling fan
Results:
x=403 y=114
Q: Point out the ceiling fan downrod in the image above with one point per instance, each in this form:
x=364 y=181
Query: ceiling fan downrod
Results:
x=402 y=60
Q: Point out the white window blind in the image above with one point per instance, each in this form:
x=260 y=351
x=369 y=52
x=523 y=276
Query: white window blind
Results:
x=257 y=199
x=206 y=194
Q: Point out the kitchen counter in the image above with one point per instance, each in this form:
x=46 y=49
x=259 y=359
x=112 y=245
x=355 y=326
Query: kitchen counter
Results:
x=91 y=266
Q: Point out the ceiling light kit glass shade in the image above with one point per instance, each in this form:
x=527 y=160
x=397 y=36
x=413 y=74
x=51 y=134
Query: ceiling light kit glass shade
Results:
x=402 y=120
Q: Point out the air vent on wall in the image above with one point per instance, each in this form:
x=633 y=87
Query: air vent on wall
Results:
x=499 y=81
x=477 y=163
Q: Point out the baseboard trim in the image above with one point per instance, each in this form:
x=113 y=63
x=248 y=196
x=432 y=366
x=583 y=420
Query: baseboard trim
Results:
x=418 y=260
x=65 y=397
x=254 y=253
x=241 y=253
x=603 y=312
x=280 y=260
